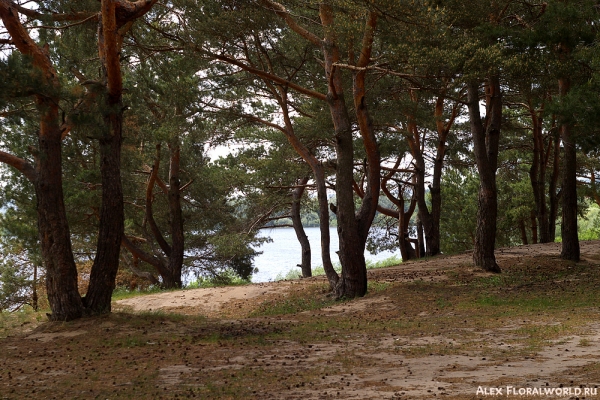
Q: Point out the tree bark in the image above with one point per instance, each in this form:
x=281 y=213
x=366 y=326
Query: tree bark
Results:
x=570 y=240
x=485 y=145
x=175 y=263
x=106 y=262
x=352 y=227
x=523 y=232
x=61 y=272
x=116 y=17
x=299 y=229
x=553 y=195
x=319 y=174
x=534 y=228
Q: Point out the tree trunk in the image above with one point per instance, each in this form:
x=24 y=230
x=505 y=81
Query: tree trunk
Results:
x=319 y=174
x=570 y=240
x=443 y=129
x=534 y=228
x=352 y=228
x=485 y=145
x=299 y=229
x=420 y=239
x=55 y=239
x=430 y=219
x=537 y=176
x=106 y=262
x=175 y=263
x=61 y=272
x=553 y=195
x=523 y=232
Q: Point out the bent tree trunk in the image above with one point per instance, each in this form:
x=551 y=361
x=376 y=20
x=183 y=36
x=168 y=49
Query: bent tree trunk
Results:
x=61 y=272
x=352 y=228
x=570 y=240
x=299 y=229
x=485 y=144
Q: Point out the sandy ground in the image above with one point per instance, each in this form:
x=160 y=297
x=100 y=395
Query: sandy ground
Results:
x=422 y=377
x=213 y=302
x=178 y=358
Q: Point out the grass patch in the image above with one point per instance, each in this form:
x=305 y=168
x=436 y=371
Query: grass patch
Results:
x=24 y=319
x=318 y=271
x=310 y=298
x=121 y=293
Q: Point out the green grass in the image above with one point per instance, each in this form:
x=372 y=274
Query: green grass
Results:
x=311 y=298
x=227 y=279
x=318 y=271
x=121 y=293
x=18 y=321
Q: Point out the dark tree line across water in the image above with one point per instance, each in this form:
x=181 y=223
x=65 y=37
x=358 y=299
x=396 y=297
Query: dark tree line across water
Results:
x=414 y=114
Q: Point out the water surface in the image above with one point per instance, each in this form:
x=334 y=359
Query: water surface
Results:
x=284 y=253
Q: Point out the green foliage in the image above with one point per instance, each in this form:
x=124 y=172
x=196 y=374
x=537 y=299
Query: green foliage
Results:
x=589 y=224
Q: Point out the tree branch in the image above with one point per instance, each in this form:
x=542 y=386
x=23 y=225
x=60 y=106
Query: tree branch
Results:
x=19 y=164
x=274 y=78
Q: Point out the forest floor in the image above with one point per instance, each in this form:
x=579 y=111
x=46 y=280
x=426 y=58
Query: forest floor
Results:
x=436 y=328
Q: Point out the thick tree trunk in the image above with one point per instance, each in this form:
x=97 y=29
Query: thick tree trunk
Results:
x=485 y=143
x=106 y=262
x=61 y=272
x=353 y=227
x=299 y=229
x=570 y=239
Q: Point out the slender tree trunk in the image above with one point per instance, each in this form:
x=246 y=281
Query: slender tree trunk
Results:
x=443 y=129
x=534 y=228
x=570 y=239
x=406 y=250
x=299 y=229
x=523 y=232
x=420 y=239
x=537 y=175
x=175 y=263
x=485 y=143
x=319 y=174
x=553 y=195
x=431 y=238
x=34 y=294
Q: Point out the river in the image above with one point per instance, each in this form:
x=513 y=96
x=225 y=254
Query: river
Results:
x=284 y=253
